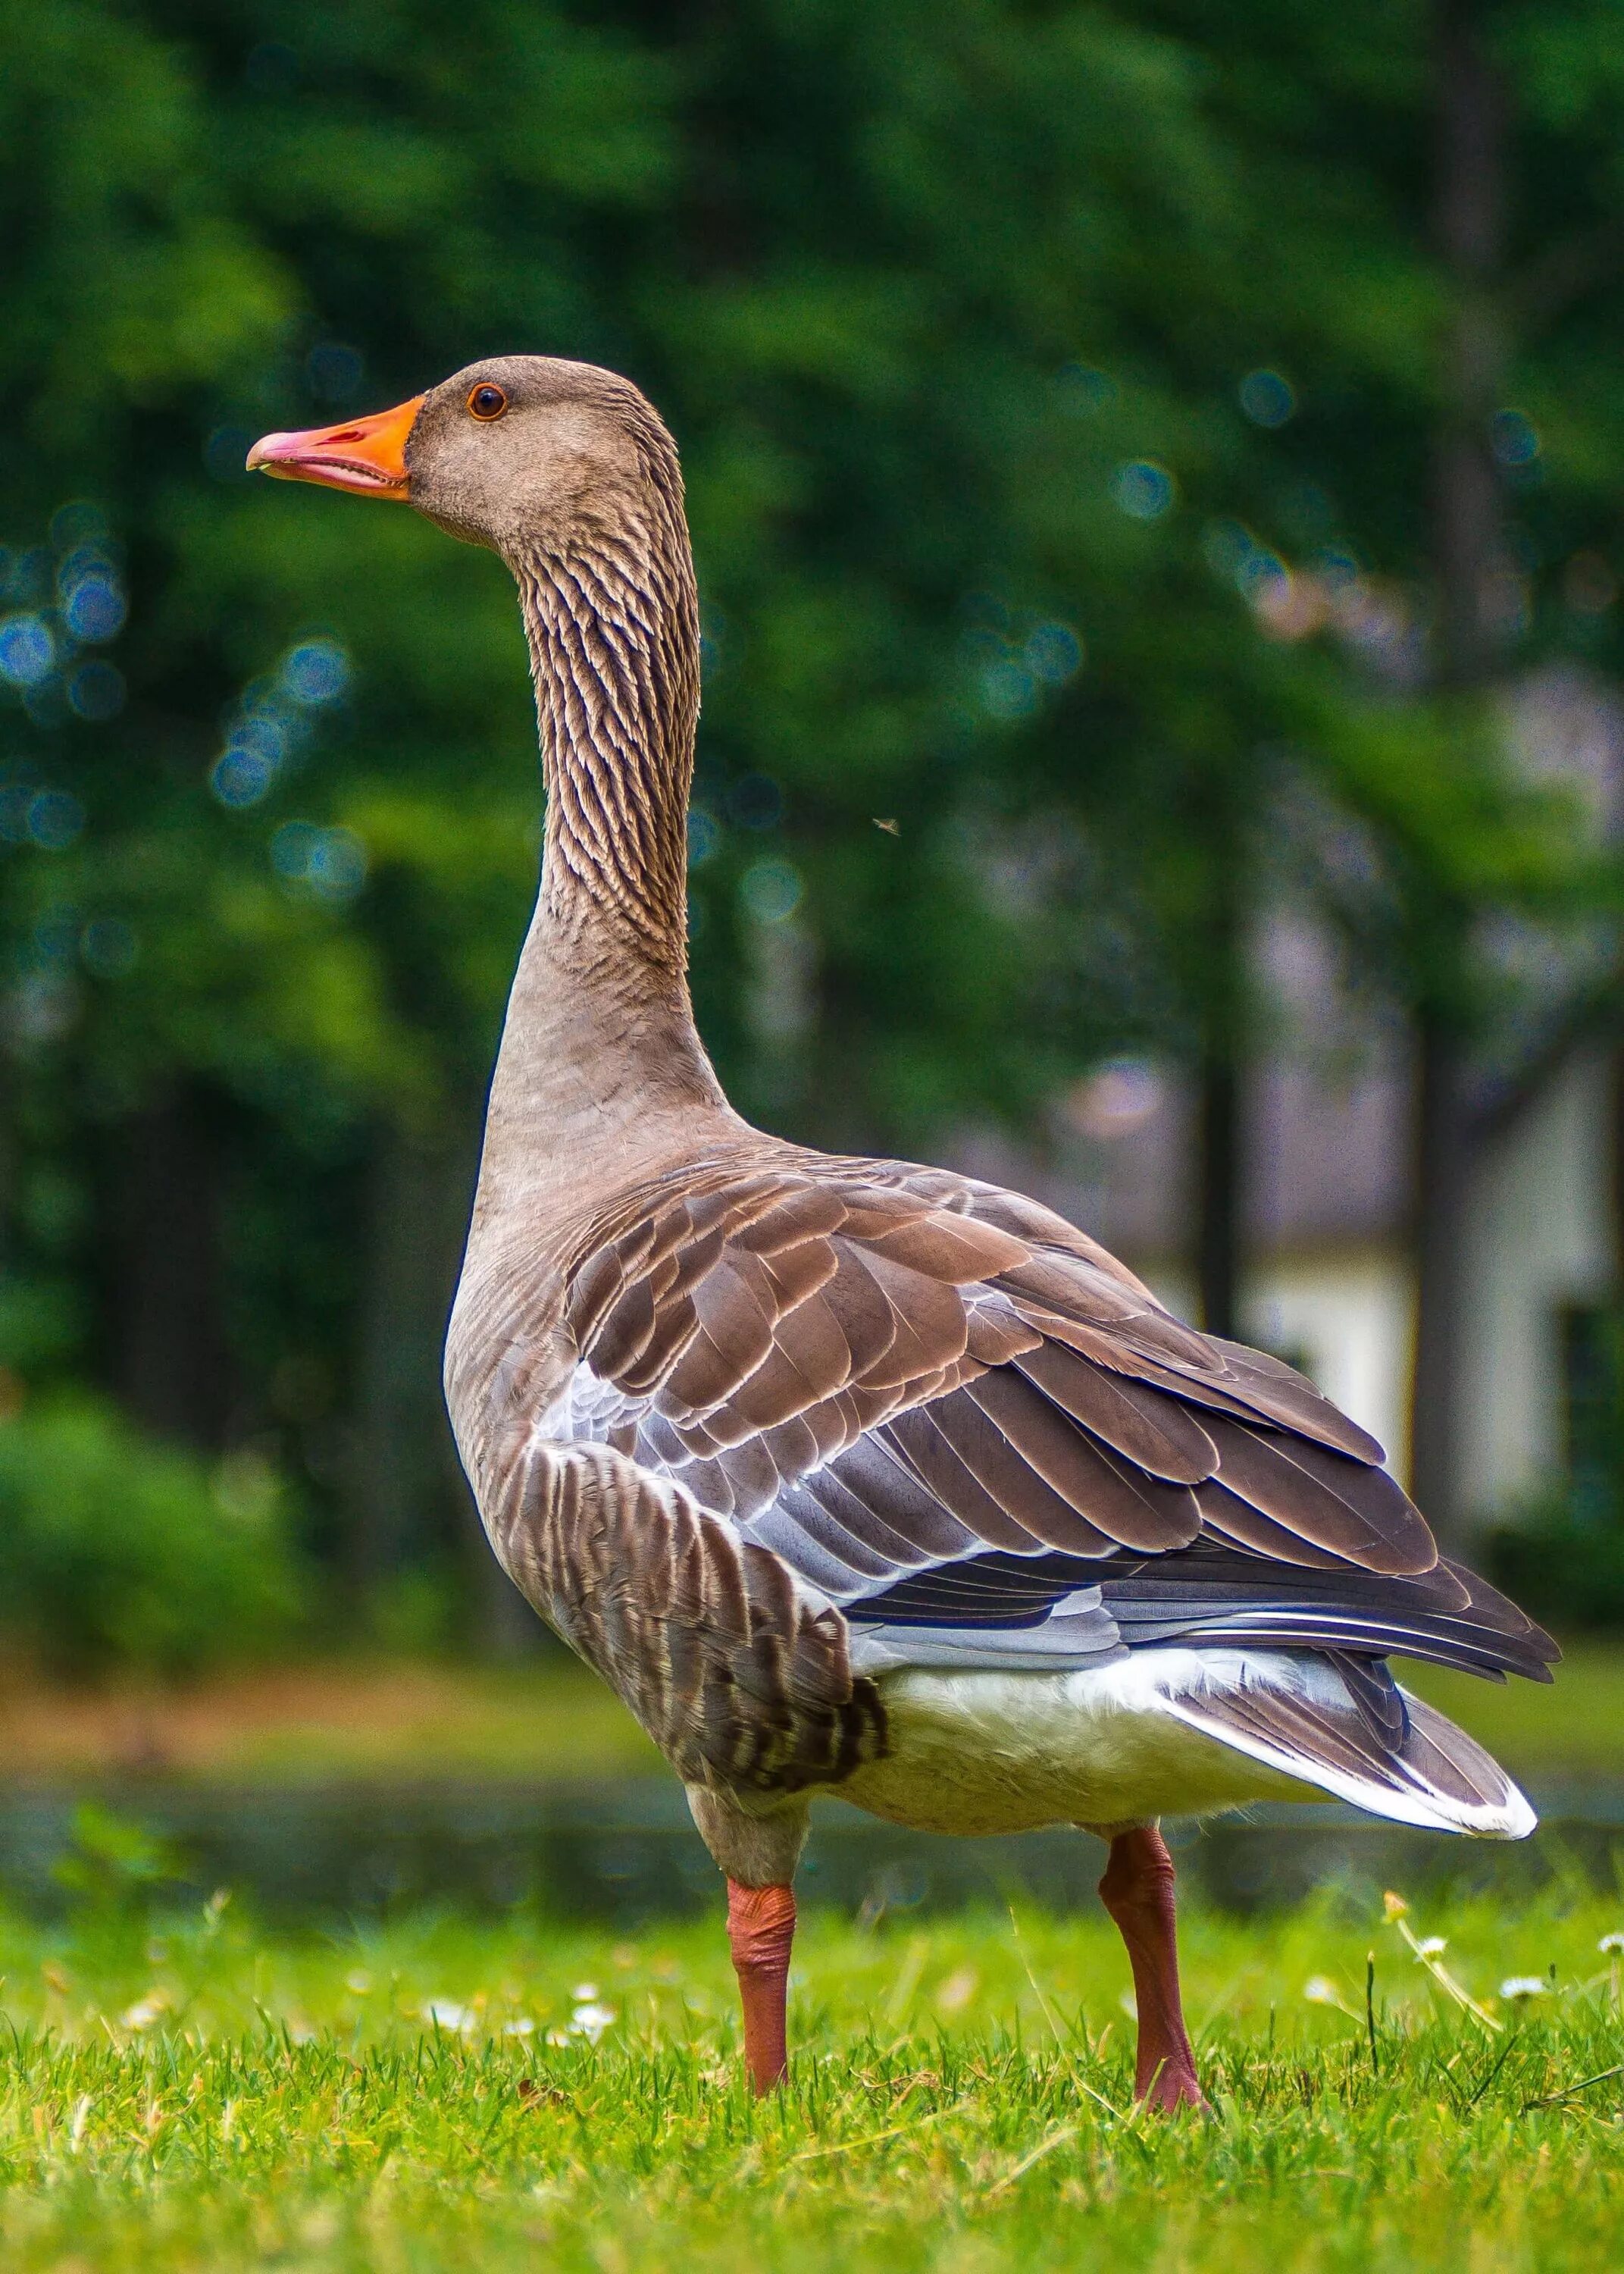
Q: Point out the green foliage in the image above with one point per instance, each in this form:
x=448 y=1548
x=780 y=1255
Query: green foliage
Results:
x=429 y=2093
x=413 y=1612
x=954 y=309
x=112 y=1866
x=1562 y=1554
x=117 y=1551
x=1560 y=1568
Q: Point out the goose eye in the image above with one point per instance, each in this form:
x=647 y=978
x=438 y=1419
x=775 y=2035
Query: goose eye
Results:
x=487 y=402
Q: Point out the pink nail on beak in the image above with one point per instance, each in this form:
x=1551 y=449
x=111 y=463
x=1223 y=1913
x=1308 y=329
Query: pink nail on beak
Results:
x=361 y=454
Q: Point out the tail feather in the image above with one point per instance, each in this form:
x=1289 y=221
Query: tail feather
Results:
x=1345 y=1725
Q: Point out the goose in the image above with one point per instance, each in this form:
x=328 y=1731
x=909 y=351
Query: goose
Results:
x=850 y=1476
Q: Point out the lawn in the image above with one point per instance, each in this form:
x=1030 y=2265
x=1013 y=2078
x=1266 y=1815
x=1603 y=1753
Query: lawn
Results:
x=431 y=2093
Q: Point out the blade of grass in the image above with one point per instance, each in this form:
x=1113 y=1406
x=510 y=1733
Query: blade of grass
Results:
x=872 y=2139
x=1057 y=2138
x=1552 y=2099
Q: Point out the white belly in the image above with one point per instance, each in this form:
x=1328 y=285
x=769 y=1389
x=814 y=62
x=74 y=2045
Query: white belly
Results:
x=974 y=1753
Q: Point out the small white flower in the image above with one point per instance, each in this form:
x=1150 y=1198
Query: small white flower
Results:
x=357 y=1983
x=446 y=2013
x=145 y=2011
x=589 y=2020
x=1319 y=1989
x=1611 y=1944
x=1524 y=1985
x=518 y=2028
x=1431 y=1945
x=558 y=2037
x=584 y=1993
x=956 y=1992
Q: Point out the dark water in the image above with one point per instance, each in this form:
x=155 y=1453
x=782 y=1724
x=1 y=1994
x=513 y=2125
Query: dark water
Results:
x=627 y=1854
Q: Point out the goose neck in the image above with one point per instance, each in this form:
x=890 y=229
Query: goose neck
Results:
x=613 y=632
x=601 y=1064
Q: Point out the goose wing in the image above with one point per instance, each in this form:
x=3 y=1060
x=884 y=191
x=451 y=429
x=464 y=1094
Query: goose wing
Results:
x=963 y=1423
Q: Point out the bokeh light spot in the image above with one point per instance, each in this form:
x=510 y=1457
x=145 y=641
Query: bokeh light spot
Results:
x=1260 y=571
x=1054 y=654
x=330 y=863
x=315 y=672
x=27 y=651
x=336 y=869
x=56 y=819
x=240 y=776
x=44 y=1007
x=1266 y=398
x=771 y=890
x=1337 y=566
x=1009 y=691
x=96 y=692
x=1116 y=1099
x=95 y=608
x=263 y=735
x=77 y=522
x=1084 y=389
x=704 y=836
x=290 y=849
x=1514 y=438
x=1143 y=489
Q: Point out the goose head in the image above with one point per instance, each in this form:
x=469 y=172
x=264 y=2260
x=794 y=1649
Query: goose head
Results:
x=524 y=453
x=569 y=473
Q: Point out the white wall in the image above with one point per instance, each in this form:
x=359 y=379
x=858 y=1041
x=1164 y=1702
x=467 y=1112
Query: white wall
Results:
x=1539 y=1236
x=1347 y=1316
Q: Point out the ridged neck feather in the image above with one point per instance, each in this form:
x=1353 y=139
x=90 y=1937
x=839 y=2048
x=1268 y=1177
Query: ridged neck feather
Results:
x=601 y=1064
x=613 y=631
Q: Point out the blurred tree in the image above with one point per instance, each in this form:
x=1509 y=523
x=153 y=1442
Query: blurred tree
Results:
x=1056 y=389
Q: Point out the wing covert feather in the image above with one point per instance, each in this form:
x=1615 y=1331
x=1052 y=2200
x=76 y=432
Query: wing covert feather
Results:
x=870 y=1367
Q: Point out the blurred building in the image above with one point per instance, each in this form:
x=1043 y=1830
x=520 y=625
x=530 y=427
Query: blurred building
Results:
x=1328 y=1149
x=1328 y=1280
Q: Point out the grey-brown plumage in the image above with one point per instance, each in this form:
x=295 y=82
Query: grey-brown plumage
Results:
x=765 y=1434
x=940 y=1407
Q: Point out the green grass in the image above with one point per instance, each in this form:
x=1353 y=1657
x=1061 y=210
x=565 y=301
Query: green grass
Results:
x=1572 y=1727
x=207 y=2097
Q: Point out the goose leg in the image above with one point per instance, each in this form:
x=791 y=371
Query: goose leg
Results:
x=761 y=1927
x=757 y=1854
x=1137 y=1892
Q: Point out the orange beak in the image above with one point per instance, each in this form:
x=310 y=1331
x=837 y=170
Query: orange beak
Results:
x=364 y=454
